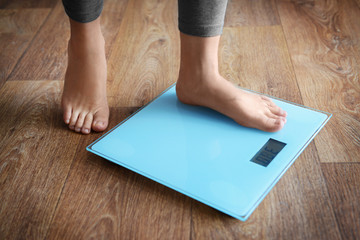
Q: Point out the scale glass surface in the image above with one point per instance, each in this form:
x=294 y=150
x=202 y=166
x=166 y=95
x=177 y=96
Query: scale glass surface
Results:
x=206 y=155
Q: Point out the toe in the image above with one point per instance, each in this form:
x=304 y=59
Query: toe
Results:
x=67 y=115
x=100 y=122
x=73 y=120
x=87 y=124
x=80 y=122
x=271 y=122
x=99 y=125
x=274 y=108
x=277 y=110
x=274 y=124
x=266 y=99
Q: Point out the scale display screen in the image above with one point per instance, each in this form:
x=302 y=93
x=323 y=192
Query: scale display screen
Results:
x=268 y=152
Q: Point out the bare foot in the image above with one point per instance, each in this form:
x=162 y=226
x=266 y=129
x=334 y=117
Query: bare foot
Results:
x=200 y=83
x=84 y=100
x=247 y=109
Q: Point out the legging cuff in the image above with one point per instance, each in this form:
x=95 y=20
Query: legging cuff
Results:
x=201 y=30
x=83 y=12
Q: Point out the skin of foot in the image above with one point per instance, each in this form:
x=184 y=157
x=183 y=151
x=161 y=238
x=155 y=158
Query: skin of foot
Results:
x=84 y=99
x=200 y=83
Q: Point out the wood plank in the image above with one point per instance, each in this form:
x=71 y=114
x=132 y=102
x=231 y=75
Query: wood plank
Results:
x=358 y=3
x=17 y=29
x=323 y=39
x=111 y=17
x=298 y=207
x=343 y=181
x=257 y=58
x=35 y=157
x=251 y=13
x=49 y=48
x=16 y=4
x=102 y=200
x=145 y=57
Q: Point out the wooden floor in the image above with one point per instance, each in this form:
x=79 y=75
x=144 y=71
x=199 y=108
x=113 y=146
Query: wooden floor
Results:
x=305 y=51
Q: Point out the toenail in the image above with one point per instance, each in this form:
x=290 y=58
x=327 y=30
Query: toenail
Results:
x=99 y=124
x=71 y=127
x=67 y=121
x=86 y=130
x=77 y=129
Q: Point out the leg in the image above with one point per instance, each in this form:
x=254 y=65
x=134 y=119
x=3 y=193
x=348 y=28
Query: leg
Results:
x=199 y=80
x=84 y=100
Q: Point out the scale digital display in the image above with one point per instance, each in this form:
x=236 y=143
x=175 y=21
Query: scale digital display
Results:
x=268 y=152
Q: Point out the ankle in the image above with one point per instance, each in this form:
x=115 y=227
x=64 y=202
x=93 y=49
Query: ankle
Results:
x=83 y=47
x=86 y=34
x=199 y=57
x=94 y=44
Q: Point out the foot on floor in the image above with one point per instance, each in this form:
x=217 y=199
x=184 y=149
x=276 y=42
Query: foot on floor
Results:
x=84 y=100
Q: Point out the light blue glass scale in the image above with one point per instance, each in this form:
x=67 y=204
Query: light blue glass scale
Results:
x=206 y=155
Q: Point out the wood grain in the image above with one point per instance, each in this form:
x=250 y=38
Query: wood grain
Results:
x=17 y=29
x=106 y=201
x=111 y=17
x=16 y=4
x=343 y=181
x=145 y=57
x=33 y=163
x=323 y=39
x=251 y=13
x=46 y=58
x=257 y=58
x=358 y=3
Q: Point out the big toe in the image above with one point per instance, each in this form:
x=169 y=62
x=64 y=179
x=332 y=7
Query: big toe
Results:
x=273 y=124
x=101 y=121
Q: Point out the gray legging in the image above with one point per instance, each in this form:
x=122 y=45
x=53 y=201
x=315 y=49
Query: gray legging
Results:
x=202 y=18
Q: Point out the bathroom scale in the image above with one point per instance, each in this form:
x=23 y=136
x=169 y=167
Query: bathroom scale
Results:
x=206 y=155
